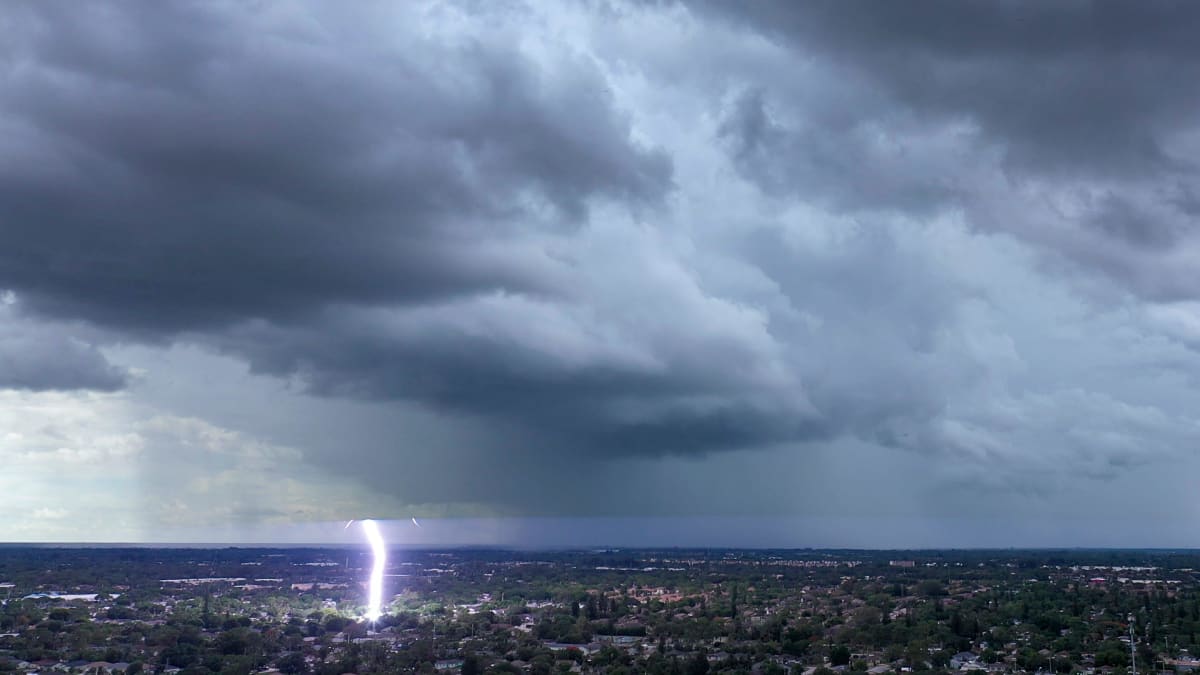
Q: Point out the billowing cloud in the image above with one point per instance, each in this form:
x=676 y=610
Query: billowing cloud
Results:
x=222 y=165
x=1085 y=87
x=488 y=258
x=1063 y=124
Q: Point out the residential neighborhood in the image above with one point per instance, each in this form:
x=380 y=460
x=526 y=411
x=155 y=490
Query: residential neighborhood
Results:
x=299 y=611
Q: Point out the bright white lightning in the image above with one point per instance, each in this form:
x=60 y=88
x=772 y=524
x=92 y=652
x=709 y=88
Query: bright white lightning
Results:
x=375 y=586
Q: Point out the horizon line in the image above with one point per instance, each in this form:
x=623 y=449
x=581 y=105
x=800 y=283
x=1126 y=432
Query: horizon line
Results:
x=598 y=548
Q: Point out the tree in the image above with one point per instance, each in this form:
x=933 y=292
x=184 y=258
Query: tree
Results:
x=292 y=664
x=839 y=655
x=541 y=664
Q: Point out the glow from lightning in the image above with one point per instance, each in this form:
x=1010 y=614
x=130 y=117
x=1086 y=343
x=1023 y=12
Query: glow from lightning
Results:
x=375 y=586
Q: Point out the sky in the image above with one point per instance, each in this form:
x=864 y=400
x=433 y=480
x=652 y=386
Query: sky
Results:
x=601 y=273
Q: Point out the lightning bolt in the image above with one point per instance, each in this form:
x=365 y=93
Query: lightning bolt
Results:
x=375 y=584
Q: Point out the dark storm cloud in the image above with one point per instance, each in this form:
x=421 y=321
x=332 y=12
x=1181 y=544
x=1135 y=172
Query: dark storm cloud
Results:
x=554 y=395
x=1068 y=124
x=580 y=256
x=187 y=168
x=622 y=259
x=300 y=191
x=843 y=169
x=39 y=357
x=1120 y=219
x=1092 y=86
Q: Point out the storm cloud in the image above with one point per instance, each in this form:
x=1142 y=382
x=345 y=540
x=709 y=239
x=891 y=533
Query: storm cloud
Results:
x=656 y=243
x=1067 y=124
x=37 y=356
x=220 y=166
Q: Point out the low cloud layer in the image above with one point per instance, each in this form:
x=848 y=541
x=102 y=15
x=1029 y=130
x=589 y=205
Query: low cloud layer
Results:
x=37 y=356
x=477 y=253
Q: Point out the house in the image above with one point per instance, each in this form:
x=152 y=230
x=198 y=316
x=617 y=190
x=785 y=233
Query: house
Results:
x=961 y=659
x=562 y=646
x=618 y=640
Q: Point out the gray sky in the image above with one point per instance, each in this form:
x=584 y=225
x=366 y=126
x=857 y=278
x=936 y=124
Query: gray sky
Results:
x=793 y=274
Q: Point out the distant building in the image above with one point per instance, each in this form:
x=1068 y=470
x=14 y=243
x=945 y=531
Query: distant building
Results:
x=902 y=563
x=963 y=659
